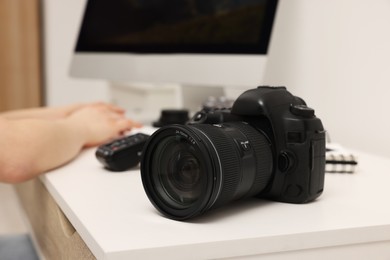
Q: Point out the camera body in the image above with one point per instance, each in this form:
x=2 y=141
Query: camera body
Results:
x=269 y=144
x=296 y=137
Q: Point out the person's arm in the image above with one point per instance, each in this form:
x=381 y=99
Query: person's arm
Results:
x=50 y=112
x=32 y=146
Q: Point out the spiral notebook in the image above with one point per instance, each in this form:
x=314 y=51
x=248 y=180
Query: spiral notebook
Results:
x=339 y=159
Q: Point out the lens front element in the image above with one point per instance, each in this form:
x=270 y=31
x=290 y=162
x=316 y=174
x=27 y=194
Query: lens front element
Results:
x=179 y=175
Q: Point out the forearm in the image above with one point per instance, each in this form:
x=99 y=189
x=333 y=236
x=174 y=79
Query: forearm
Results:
x=59 y=142
x=41 y=112
x=38 y=112
x=33 y=146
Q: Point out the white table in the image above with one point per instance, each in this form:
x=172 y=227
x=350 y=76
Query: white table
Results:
x=114 y=217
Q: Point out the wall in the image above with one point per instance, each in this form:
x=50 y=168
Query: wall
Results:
x=336 y=55
x=61 y=24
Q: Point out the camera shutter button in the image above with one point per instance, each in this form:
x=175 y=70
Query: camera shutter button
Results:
x=302 y=110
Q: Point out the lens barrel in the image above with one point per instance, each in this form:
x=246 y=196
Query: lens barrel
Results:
x=188 y=170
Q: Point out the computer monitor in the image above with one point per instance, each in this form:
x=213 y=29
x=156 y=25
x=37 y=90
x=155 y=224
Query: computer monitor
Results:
x=197 y=43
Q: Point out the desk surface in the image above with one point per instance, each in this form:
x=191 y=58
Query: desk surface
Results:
x=113 y=215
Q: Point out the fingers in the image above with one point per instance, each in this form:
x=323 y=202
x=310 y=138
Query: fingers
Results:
x=118 y=113
x=99 y=105
x=101 y=122
x=109 y=107
x=116 y=109
x=121 y=126
x=136 y=124
x=124 y=125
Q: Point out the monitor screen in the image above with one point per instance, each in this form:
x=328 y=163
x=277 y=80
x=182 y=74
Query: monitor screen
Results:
x=177 y=26
x=202 y=42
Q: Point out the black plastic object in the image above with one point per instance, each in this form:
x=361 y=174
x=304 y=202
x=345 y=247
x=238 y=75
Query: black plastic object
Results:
x=172 y=116
x=122 y=154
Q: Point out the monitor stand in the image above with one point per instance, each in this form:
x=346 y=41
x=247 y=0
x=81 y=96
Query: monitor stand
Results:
x=143 y=102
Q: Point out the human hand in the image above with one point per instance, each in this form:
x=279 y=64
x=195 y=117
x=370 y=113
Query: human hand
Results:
x=67 y=110
x=99 y=123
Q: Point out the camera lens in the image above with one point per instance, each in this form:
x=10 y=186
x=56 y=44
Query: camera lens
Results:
x=180 y=177
x=188 y=170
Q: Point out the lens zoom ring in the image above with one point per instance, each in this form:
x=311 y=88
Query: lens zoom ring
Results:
x=263 y=155
x=229 y=159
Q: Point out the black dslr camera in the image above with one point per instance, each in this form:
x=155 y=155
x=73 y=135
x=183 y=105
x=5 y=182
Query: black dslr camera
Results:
x=269 y=144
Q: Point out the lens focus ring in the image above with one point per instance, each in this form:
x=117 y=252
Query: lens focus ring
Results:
x=229 y=158
x=263 y=155
x=233 y=171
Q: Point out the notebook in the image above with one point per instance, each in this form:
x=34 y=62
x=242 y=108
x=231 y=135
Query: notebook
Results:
x=339 y=159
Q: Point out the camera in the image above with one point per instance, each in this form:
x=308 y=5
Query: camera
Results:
x=269 y=144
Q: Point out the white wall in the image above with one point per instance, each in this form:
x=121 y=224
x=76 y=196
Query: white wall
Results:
x=336 y=55
x=61 y=24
